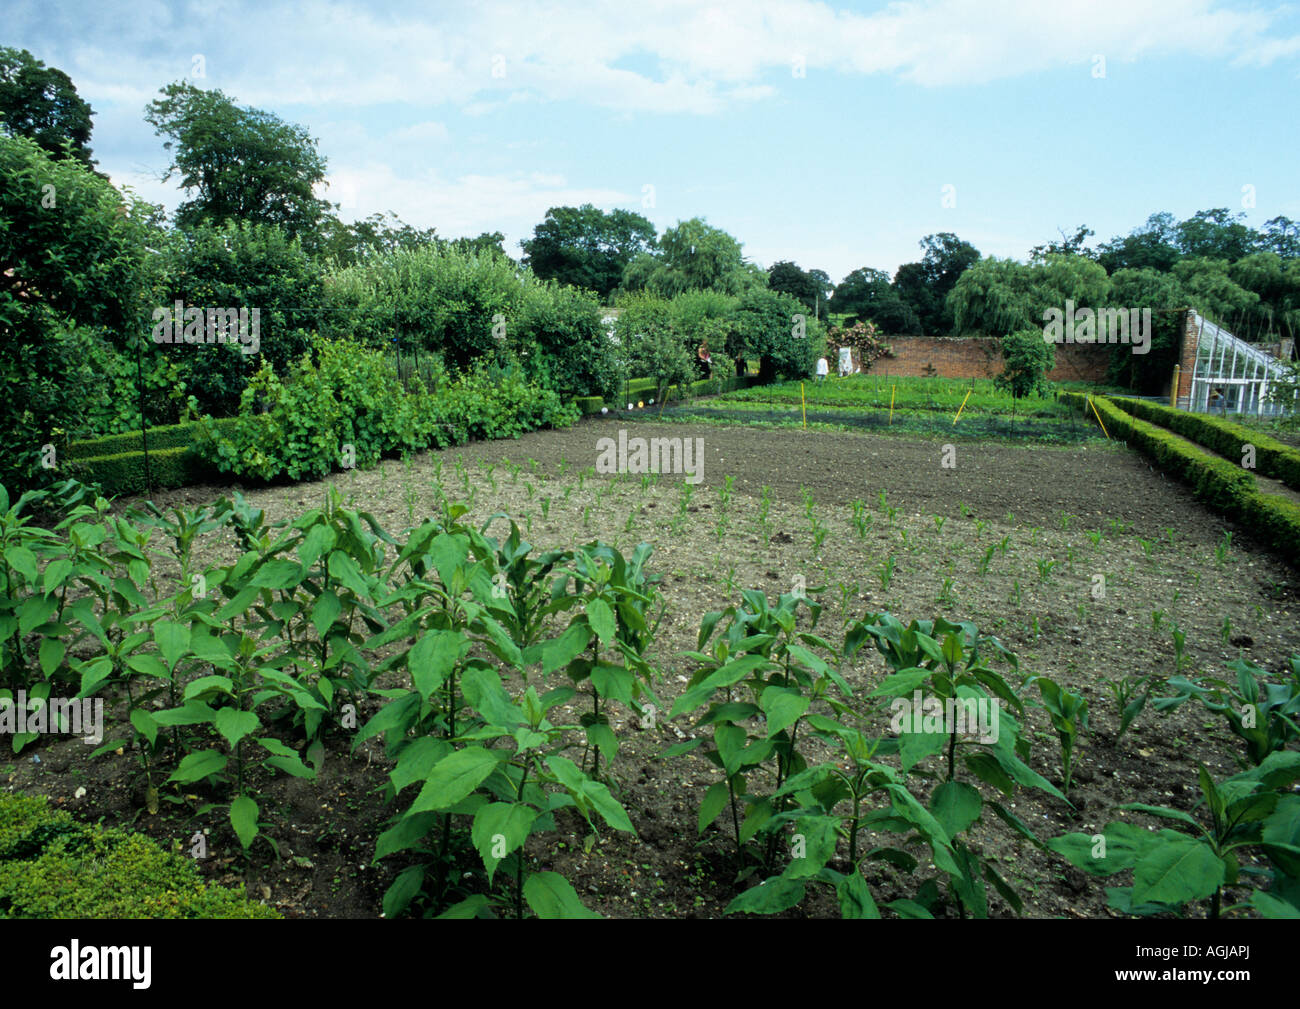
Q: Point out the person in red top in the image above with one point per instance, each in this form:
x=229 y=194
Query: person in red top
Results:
x=704 y=360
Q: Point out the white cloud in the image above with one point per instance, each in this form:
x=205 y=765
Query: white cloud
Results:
x=689 y=58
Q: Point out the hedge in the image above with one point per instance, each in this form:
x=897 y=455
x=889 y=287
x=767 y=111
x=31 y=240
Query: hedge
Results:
x=167 y=436
x=124 y=472
x=1272 y=457
x=53 y=867
x=638 y=388
x=1225 y=486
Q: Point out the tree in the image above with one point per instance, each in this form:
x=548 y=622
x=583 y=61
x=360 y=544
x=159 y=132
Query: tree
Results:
x=693 y=256
x=1069 y=245
x=40 y=103
x=866 y=294
x=74 y=266
x=587 y=247
x=994 y=298
x=1211 y=289
x=1142 y=289
x=1027 y=359
x=1216 y=234
x=1282 y=236
x=924 y=286
x=233 y=266
x=775 y=331
x=378 y=234
x=788 y=278
x=1153 y=246
x=242 y=164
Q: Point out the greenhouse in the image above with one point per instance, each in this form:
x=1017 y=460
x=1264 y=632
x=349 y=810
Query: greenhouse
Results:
x=1230 y=376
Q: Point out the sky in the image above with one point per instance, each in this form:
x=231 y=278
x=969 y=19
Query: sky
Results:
x=836 y=136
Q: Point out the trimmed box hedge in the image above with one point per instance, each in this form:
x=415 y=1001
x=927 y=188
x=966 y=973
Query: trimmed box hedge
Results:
x=167 y=436
x=1225 y=486
x=53 y=867
x=124 y=473
x=1272 y=457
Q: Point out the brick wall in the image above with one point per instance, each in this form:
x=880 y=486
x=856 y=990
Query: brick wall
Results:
x=981 y=357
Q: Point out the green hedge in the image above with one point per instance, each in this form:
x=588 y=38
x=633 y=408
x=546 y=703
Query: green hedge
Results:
x=589 y=404
x=54 y=867
x=1272 y=457
x=168 y=436
x=1228 y=487
x=639 y=388
x=124 y=473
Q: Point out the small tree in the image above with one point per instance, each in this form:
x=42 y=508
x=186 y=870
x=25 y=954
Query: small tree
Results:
x=1028 y=358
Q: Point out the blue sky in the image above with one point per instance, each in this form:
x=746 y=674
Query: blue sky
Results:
x=819 y=133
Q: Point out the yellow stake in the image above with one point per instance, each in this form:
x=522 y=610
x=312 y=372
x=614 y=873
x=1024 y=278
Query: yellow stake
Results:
x=891 y=403
x=804 y=403
x=1098 y=416
x=961 y=408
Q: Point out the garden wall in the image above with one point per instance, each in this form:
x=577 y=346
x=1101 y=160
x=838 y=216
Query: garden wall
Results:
x=981 y=357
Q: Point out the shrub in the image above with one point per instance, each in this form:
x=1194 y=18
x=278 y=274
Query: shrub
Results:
x=769 y=324
x=1028 y=359
x=297 y=428
x=52 y=867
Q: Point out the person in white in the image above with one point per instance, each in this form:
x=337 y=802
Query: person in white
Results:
x=823 y=368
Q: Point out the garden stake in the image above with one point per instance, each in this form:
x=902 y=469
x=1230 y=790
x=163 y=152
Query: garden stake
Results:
x=961 y=408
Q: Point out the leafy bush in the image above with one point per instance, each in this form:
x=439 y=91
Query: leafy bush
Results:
x=348 y=410
x=769 y=323
x=52 y=867
x=238 y=265
x=1028 y=359
x=562 y=340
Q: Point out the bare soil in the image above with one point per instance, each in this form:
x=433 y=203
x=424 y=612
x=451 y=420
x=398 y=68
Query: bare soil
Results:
x=1057 y=518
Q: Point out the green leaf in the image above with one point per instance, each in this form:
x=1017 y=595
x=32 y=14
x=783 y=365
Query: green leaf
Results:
x=243 y=817
x=433 y=658
x=772 y=896
x=277 y=574
x=1180 y=870
x=550 y=895
x=956 y=804
x=234 y=724
x=499 y=828
x=559 y=652
x=601 y=619
x=403 y=890
x=855 y=897
x=783 y=706
x=197 y=766
x=51 y=655
x=325 y=610
x=173 y=640
x=713 y=803
x=148 y=664
x=145 y=725
x=732 y=672
x=406 y=833
x=1271 y=907
x=454 y=777
x=204 y=684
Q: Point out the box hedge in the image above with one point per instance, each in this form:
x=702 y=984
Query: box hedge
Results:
x=1272 y=457
x=54 y=867
x=124 y=473
x=1223 y=485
